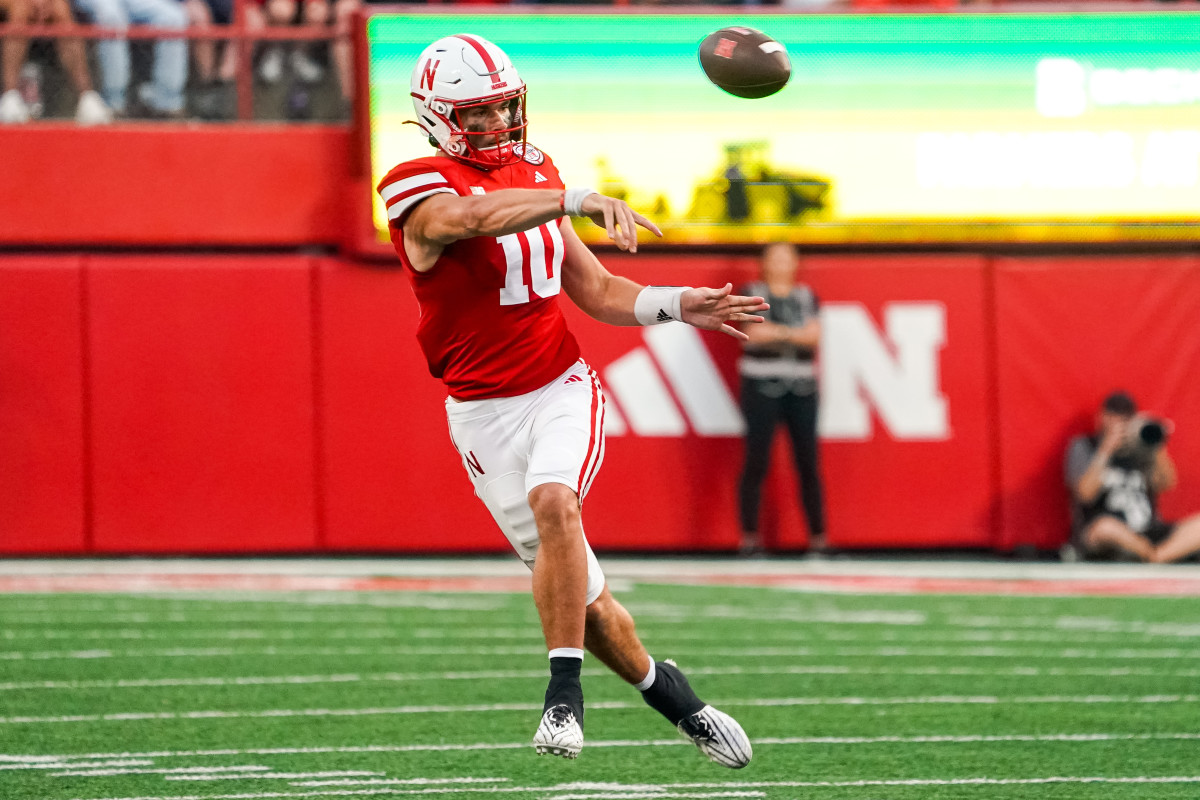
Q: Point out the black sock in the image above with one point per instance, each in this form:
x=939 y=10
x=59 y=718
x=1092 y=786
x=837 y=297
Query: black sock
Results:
x=564 y=687
x=671 y=695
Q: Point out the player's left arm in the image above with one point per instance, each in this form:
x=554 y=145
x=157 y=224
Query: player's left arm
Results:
x=612 y=298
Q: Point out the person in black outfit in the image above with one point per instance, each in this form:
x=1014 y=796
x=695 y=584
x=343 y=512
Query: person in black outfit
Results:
x=779 y=383
x=1115 y=476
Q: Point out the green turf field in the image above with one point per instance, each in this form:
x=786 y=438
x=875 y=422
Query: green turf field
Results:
x=847 y=697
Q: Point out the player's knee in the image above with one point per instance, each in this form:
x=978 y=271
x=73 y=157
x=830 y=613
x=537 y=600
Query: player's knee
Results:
x=556 y=509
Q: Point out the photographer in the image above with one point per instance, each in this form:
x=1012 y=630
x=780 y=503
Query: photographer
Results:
x=1115 y=477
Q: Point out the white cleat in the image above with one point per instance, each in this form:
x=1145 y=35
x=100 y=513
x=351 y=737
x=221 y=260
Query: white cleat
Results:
x=559 y=734
x=719 y=737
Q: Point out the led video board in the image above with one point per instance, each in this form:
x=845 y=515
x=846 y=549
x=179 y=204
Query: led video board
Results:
x=894 y=128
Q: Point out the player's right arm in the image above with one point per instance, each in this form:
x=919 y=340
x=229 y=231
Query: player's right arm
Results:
x=442 y=219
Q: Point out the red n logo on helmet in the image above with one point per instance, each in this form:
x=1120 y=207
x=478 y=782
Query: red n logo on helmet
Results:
x=428 y=73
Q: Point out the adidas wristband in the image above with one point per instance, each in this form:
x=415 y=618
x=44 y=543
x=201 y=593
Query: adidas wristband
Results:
x=658 y=304
x=572 y=200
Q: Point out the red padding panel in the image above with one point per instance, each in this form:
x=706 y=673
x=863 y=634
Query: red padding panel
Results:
x=1070 y=331
x=391 y=478
x=899 y=488
x=202 y=398
x=203 y=185
x=41 y=405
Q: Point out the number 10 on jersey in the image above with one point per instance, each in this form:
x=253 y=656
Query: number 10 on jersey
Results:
x=534 y=258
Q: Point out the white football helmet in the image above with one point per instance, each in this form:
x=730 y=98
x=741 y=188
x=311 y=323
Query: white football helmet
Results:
x=461 y=72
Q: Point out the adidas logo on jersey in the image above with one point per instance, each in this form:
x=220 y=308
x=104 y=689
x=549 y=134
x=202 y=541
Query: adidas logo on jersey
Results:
x=539 y=177
x=477 y=190
x=573 y=379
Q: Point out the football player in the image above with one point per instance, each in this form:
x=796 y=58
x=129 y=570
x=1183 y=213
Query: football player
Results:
x=482 y=229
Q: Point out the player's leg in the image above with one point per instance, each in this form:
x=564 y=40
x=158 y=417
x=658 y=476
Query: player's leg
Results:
x=560 y=592
x=611 y=637
x=560 y=571
x=512 y=470
x=566 y=448
x=1107 y=533
x=1183 y=541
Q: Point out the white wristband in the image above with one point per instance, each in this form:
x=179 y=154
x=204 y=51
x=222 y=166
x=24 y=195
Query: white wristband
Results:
x=573 y=200
x=658 y=304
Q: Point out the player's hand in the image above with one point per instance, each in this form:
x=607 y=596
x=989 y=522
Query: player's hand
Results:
x=714 y=309
x=618 y=220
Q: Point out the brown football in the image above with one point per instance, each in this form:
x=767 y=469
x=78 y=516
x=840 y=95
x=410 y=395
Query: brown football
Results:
x=745 y=62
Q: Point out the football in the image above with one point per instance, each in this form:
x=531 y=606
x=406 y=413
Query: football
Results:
x=745 y=62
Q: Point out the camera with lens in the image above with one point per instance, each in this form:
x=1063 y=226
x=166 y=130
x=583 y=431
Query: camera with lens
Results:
x=1145 y=435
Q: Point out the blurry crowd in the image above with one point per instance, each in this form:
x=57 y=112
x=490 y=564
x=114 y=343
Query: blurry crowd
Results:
x=110 y=75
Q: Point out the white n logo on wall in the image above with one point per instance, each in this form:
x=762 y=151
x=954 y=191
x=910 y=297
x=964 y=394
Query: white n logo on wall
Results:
x=858 y=368
x=645 y=401
x=896 y=372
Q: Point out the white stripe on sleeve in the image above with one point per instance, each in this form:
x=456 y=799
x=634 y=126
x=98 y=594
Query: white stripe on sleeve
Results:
x=413 y=182
x=399 y=208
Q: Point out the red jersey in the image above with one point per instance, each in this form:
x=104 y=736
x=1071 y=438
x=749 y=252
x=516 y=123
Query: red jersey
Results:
x=490 y=321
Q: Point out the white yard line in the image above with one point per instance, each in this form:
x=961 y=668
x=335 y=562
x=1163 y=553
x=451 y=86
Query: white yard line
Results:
x=107 y=764
x=535 y=674
x=783 y=741
x=280 y=776
x=714 y=652
x=726 y=789
x=653 y=795
x=323 y=622
x=276 y=713
x=84 y=771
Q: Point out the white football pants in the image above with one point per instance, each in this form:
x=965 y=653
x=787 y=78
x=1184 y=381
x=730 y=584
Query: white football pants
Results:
x=509 y=445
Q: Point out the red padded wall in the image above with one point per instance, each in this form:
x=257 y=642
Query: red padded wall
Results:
x=390 y=477
x=893 y=492
x=41 y=405
x=202 y=403
x=1070 y=331
x=187 y=186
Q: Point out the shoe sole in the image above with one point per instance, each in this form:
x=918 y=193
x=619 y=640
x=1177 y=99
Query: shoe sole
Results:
x=555 y=750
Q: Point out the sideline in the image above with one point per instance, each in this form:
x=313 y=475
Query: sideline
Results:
x=504 y=574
